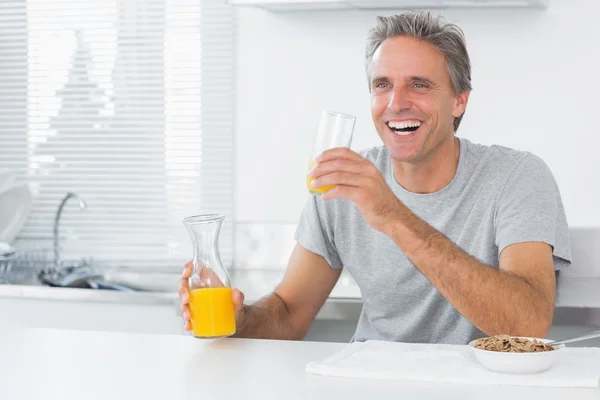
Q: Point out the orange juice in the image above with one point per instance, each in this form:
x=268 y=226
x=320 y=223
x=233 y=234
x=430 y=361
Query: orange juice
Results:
x=212 y=312
x=309 y=179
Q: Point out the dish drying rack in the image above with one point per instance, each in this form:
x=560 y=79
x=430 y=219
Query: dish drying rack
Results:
x=24 y=266
x=31 y=266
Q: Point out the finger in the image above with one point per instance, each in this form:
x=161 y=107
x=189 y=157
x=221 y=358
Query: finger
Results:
x=183 y=282
x=188 y=326
x=341 y=192
x=238 y=299
x=339 y=152
x=338 y=164
x=185 y=313
x=340 y=178
x=184 y=293
x=187 y=270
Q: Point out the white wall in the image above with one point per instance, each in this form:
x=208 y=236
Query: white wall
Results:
x=536 y=78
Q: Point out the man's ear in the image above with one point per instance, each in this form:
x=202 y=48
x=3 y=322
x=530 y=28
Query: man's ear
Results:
x=460 y=103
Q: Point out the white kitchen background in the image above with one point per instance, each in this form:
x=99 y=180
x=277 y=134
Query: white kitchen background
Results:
x=152 y=110
x=535 y=78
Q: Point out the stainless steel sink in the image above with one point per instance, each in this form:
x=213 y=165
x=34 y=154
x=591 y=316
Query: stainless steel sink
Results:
x=98 y=278
x=142 y=280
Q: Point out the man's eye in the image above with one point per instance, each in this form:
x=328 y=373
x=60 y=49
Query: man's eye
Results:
x=381 y=85
x=421 y=86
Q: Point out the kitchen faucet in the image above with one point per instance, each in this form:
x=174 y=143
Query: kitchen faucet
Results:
x=82 y=205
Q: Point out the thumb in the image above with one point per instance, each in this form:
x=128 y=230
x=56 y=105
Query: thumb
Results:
x=238 y=299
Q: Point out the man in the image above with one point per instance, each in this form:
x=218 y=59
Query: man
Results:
x=448 y=240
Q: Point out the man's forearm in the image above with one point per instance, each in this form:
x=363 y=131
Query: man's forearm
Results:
x=494 y=301
x=268 y=318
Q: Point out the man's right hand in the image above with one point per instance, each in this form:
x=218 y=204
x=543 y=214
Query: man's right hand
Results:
x=184 y=294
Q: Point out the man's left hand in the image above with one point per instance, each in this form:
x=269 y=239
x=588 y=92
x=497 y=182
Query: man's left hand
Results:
x=357 y=179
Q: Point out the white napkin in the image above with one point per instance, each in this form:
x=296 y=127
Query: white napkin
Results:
x=577 y=367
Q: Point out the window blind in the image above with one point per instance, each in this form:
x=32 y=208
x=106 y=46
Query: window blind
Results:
x=127 y=103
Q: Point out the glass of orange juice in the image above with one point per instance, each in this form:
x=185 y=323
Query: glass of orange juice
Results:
x=335 y=130
x=211 y=304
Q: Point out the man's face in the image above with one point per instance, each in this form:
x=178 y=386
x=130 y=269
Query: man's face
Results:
x=412 y=102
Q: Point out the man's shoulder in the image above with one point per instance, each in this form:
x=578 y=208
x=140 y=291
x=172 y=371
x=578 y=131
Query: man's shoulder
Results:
x=504 y=159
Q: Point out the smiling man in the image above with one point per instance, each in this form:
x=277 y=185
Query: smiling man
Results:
x=448 y=240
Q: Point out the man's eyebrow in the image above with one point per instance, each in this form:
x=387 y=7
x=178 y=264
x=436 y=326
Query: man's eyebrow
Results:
x=379 y=78
x=416 y=78
x=422 y=79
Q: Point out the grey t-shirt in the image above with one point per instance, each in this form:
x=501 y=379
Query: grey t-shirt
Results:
x=498 y=197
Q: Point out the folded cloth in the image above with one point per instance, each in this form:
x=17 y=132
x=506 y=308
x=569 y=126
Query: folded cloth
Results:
x=576 y=367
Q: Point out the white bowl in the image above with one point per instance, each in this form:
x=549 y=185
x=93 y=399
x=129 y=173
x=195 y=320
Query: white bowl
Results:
x=518 y=363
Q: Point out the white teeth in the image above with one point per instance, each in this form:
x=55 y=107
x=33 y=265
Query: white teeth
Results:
x=404 y=124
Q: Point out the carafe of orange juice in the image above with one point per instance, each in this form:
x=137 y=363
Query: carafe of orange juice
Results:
x=211 y=304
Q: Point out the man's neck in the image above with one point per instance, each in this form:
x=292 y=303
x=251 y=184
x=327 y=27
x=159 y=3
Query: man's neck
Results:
x=431 y=174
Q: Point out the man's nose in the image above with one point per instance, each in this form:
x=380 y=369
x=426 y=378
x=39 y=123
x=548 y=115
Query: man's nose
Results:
x=399 y=100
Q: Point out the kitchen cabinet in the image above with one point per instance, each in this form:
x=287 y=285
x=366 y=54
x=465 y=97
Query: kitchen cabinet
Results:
x=82 y=315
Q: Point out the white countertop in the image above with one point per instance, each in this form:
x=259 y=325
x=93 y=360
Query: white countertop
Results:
x=57 y=364
x=572 y=292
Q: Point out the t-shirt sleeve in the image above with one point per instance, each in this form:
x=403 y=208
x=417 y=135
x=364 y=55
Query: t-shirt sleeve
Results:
x=530 y=209
x=315 y=230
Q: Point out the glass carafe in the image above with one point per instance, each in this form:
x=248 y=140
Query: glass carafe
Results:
x=211 y=304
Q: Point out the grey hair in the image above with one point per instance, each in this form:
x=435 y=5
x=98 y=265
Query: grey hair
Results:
x=447 y=38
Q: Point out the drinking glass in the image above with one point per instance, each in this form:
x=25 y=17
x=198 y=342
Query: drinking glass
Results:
x=335 y=130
